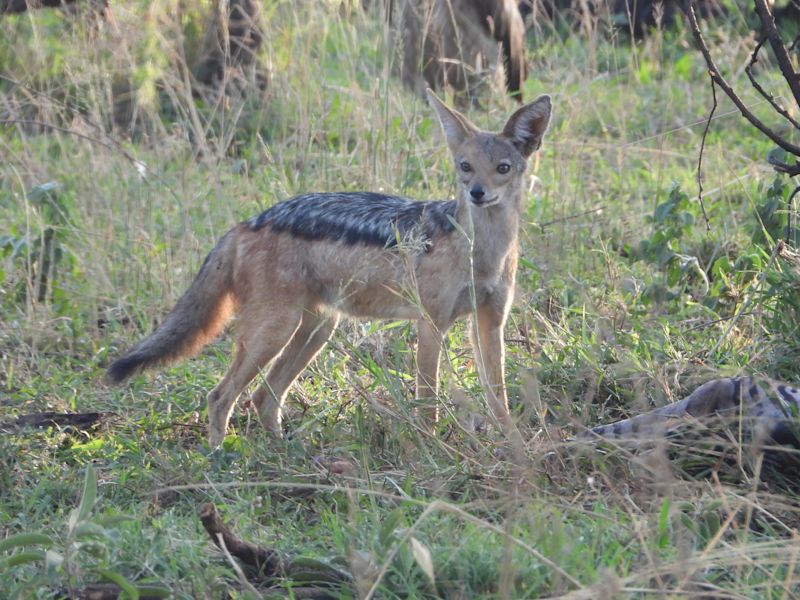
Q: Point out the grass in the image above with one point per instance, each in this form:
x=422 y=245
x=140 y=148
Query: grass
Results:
x=625 y=301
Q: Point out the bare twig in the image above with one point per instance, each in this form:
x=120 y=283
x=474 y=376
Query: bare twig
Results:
x=782 y=167
x=78 y=134
x=590 y=211
x=108 y=142
x=700 y=156
x=793 y=45
x=111 y=144
x=767 y=96
x=775 y=42
x=716 y=76
x=706 y=324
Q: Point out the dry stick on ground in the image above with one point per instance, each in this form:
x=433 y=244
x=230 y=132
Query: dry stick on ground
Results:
x=80 y=421
x=265 y=564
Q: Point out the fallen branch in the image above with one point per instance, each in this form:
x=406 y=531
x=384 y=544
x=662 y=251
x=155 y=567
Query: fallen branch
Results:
x=262 y=562
x=266 y=565
x=44 y=420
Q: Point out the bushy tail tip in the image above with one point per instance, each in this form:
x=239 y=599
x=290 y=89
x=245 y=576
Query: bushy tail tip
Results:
x=124 y=367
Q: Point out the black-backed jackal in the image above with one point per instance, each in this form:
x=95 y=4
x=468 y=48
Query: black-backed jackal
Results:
x=290 y=273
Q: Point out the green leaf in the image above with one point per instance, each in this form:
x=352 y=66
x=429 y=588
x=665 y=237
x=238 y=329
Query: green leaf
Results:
x=709 y=526
x=87 y=498
x=42 y=191
x=129 y=591
x=153 y=591
x=663 y=522
x=53 y=560
x=686 y=218
x=88 y=530
x=233 y=443
x=110 y=521
x=390 y=525
x=645 y=72
x=21 y=558
x=722 y=267
x=663 y=211
x=25 y=539
x=682 y=67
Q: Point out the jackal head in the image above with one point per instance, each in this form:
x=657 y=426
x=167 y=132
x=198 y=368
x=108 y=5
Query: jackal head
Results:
x=490 y=165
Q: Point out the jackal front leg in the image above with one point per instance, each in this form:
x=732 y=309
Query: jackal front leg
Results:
x=429 y=347
x=487 y=342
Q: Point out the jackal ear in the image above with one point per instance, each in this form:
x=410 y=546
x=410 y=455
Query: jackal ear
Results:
x=457 y=128
x=526 y=127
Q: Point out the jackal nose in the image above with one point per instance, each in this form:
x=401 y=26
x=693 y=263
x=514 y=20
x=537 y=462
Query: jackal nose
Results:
x=477 y=193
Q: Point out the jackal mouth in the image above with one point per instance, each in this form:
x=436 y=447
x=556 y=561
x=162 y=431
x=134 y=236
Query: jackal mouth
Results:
x=484 y=202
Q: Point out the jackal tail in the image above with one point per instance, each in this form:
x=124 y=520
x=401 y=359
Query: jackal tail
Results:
x=198 y=317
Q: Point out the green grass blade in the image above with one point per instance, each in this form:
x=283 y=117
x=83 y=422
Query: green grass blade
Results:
x=25 y=539
x=129 y=591
x=89 y=494
x=21 y=558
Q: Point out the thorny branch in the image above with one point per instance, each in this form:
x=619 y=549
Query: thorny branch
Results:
x=716 y=76
x=767 y=96
x=771 y=33
x=700 y=156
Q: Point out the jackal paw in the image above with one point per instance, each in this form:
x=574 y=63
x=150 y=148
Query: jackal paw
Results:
x=215 y=438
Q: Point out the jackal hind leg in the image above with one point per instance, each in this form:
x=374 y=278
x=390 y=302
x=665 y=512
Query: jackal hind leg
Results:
x=270 y=329
x=314 y=332
x=429 y=348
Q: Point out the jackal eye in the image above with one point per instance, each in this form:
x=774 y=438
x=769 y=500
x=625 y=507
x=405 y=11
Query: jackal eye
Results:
x=465 y=166
x=503 y=168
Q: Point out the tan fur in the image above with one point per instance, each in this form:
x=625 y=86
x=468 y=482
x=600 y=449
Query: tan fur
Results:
x=198 y=317
x=289 y=291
